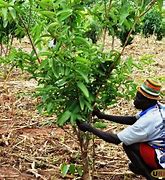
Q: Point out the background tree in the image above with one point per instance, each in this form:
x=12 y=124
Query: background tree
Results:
x=154 y=24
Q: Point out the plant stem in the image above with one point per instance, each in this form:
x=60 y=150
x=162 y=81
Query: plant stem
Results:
x=149 y=6
x=7 y=46
x=8 y=73
x=86 y=174
x=83 y=139
x=30 y=39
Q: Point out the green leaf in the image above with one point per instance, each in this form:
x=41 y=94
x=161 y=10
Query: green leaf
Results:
x=64 y=169
x=52 y=27
x=51 y=62
x=100 y=125
x=12 y=12
x=83 y=88
x=73 y=118
x=85 y=77
x=45 y=4
x=76 y=109
x=82 y=60
x=64 y=14
x=127 y=24
x=5 y=22
x=72 y=169
x=48 y=14
x=65 y=116
x=62 y=70
x=53 y=67
x=67 y=71
x=124 y=12
x=49 y=107
x=61 y=82
x=80 y=170
x=82 y=41
x=5 y=13
x=82 y=103
x=45 y=53
x=88 y=105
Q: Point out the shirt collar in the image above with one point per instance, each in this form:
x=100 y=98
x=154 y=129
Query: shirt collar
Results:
x=145 y=111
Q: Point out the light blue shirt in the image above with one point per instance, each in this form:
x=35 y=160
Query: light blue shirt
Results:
x=148 y=128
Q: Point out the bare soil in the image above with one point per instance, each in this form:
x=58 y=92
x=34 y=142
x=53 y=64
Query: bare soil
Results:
x=33 y=148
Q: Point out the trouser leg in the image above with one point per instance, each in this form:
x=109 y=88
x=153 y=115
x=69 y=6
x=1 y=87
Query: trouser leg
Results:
x=133 y=154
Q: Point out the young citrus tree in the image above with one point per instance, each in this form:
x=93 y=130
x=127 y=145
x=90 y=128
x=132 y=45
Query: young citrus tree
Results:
x=75 y=73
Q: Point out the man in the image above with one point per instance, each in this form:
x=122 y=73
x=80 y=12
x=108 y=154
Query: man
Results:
x=144 y=140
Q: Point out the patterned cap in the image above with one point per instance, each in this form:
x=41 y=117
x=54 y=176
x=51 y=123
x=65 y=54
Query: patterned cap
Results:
x=150 y=89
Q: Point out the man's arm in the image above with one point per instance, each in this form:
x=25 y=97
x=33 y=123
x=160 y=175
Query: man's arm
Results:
x=108 y=137
x=128 y=120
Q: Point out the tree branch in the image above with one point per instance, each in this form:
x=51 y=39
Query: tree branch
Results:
x=113 y=65
x=149 y=6
x=30 y=39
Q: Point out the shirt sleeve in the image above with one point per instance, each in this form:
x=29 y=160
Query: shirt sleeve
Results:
x=133 y=134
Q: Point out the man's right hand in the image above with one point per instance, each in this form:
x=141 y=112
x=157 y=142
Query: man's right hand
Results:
x=83 y=126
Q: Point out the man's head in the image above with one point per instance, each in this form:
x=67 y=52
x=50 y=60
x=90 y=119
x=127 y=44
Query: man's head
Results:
x=147 y=94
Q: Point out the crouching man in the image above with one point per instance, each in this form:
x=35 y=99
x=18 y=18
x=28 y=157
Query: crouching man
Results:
x=144 y=140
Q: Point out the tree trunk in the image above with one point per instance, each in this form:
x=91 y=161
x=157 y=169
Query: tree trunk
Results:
x=83 y=139
x=85 y=162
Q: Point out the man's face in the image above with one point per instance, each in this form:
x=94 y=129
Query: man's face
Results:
x=142 y=103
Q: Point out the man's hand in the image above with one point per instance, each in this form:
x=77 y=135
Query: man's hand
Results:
x=96 y=112
x=106 y=136
x=83 y=126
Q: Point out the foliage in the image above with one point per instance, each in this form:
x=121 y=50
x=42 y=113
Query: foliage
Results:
x=120 y=83
x=154 y=24
x=121 y=19
x=71 y=168
x=75 y=78
x=12 y=27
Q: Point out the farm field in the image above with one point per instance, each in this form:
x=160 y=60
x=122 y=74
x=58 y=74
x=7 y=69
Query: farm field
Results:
x=32 y=147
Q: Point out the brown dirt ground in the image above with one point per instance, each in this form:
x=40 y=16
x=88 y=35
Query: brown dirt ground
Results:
x=31 y=148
